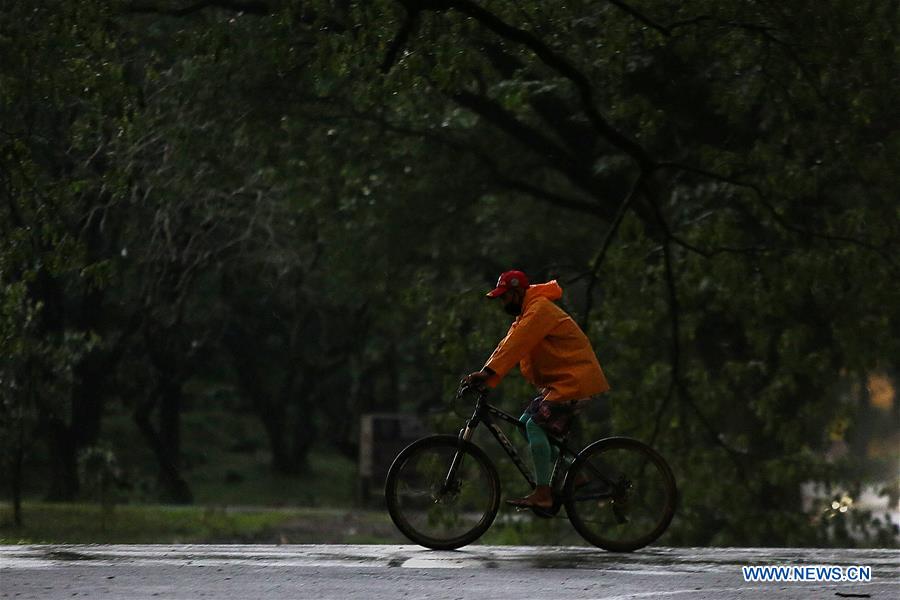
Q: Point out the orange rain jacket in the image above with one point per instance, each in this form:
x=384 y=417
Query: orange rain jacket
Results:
x=551 y=350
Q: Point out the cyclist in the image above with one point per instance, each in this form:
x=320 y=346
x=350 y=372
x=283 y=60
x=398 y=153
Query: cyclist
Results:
x=553 y=354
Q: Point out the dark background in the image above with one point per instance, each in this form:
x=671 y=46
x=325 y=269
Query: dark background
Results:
x=230 y=229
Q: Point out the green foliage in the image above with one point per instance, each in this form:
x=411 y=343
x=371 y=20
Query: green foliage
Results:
x=36 y=373
x=303 y=205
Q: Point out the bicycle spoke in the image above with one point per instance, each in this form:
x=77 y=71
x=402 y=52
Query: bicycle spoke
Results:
x=440 y=496
x=634 y=502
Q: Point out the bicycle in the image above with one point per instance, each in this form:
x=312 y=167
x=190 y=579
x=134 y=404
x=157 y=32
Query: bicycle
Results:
x=443 y=491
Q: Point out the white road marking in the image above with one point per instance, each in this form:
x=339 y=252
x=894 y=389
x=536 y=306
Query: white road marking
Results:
x=657 y=593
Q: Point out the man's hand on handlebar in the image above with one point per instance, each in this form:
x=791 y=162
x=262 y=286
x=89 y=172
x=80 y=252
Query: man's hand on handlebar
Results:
x=478 y=379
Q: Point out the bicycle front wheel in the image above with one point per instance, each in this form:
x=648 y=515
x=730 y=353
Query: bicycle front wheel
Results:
x=442 y=493
x=620 y=494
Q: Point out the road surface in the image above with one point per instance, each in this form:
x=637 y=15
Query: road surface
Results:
x=337 y=572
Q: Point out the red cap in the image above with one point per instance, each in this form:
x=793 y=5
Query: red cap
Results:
x=509 y=280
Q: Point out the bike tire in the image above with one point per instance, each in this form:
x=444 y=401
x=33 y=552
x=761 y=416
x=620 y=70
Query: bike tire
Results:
x=643 y=513
x=423 y=464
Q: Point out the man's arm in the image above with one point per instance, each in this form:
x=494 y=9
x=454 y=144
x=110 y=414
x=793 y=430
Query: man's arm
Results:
x=533 y=326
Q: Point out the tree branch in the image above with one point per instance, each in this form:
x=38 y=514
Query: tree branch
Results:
x=552 y=198
x=555 y=62
x=535 y=140
x=489 y=161
x=675 y=351
x=604 y=247
x=666 y=31
x=710 y=253
x=401 y=38
x=552 y=109
x=764 y=31
x=784 y=223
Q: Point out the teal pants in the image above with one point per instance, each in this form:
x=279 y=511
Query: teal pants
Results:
x=543 y=455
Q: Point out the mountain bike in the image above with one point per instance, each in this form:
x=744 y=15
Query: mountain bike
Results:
x=443 y=491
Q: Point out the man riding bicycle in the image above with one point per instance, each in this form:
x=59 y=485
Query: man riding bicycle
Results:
x=554 y=355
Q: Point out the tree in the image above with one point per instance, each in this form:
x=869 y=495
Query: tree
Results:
x=734 y=149
x=301 y=200
x=58 y=92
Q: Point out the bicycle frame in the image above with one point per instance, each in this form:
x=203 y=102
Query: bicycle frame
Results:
x=487 y=413
x=607 y=475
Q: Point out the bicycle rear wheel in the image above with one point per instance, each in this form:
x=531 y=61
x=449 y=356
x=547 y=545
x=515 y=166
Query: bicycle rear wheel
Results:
x=433 y=508
x=620 y=494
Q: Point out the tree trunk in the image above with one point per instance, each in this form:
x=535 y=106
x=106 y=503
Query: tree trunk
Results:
x=173 y=488
x=61 y=441
x=304 y=434
x=16 y=477
x=64 y=465
x=271 y=412
x=90 y=374
x=170 y=402
x=69 y=437
x=165 y=442
x=274 y=424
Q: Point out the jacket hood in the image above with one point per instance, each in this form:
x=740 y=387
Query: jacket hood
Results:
x=549 y=290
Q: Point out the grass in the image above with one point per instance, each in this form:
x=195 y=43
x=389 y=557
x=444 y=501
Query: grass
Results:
x=248 y=479
x=51 y=523
x=237 y=497
x=137 y=524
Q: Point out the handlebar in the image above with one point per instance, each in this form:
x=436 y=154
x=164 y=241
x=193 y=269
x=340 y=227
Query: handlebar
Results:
x=482 y=391
x=462 y=408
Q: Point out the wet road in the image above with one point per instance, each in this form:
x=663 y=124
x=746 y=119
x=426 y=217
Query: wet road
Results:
x=390 y=572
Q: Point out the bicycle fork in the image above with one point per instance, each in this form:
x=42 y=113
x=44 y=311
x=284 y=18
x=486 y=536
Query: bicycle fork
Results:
x=465 y=435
